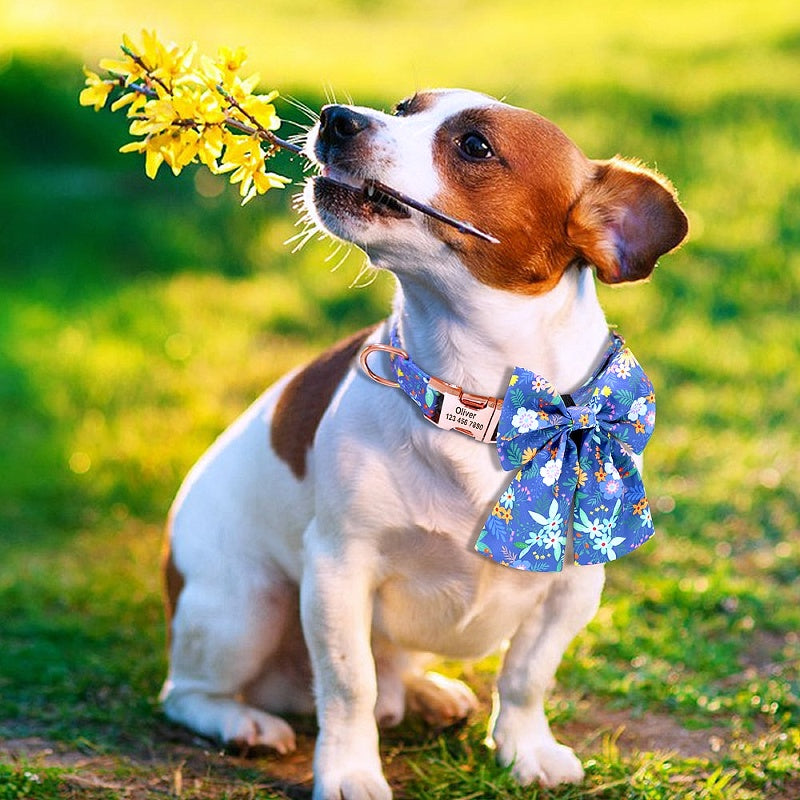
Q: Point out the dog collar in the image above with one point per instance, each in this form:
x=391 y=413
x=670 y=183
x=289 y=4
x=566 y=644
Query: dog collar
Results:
x=572 y=455
x=444 y=404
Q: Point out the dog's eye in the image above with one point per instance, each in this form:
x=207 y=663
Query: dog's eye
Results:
x=474 y=146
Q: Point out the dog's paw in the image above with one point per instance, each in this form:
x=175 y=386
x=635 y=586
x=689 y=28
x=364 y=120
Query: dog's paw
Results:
x=358 y=784
x=440 y=701
x=549 y=765
x=246 y=728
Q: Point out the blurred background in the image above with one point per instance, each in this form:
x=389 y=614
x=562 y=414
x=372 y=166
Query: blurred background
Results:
x=138 y=318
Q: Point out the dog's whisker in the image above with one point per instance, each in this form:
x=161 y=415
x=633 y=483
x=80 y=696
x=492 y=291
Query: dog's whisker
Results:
x=330 y=94
x=343 y=259
x=312 y=115
x=368 y=270
x=349 y=247
x=303 y=242
x=334 y=252
x=297 y=124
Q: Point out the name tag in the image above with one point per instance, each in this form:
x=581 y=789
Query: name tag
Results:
x=464 y=417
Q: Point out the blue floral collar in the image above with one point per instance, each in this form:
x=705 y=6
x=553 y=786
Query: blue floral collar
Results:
x=572 y=456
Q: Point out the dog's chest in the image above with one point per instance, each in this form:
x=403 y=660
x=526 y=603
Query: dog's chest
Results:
x=435 y=592
x=442 y=597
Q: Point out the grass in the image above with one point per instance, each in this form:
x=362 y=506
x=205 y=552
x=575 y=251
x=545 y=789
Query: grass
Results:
x=138 y=319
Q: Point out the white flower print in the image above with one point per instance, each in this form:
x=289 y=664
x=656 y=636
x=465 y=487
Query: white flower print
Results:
x=525 y=420
x=622 y=369
x=537 y=540
x=638 y=409
x=550 y=471
x=556 y=541
x=596 y=528
x=606 y=545
x=611 y=471
x=539 y=384
x=507 y=498
x=551 y=534
x=552 y=522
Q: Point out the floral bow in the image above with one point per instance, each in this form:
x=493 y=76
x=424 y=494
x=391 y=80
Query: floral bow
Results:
x=572 y=448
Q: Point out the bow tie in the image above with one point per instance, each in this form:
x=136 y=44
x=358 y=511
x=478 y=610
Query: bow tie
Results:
x=572 y=457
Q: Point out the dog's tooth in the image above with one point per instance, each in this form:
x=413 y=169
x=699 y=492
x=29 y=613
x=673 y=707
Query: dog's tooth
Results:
x=370 y=189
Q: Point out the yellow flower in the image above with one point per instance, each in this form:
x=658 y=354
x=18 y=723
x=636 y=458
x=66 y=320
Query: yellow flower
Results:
x=210 y=146
x=502 y=513
x=136 y=100
x=240 y=89
x=97 y=90
x=185 y=110
x=605 y=391
x=232 y=60
x=581 y=475
x=245 y=159
x=260 y=108
x=528 y=454
x=125 y=68
x=514 y=379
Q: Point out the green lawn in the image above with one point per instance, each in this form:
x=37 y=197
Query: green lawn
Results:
x=137 y=319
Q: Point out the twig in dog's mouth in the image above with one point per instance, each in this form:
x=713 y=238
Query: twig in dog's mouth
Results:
x=459 y=225
x=370 y=187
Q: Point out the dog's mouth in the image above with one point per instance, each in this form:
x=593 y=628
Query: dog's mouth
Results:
x=343 y=192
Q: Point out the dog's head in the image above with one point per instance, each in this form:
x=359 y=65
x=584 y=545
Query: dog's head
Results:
x=508 y=171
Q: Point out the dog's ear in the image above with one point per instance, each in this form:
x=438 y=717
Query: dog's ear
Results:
x=624 y=220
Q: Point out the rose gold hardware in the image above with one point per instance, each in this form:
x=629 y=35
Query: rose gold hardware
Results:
x=438 y=385
x=383 y=348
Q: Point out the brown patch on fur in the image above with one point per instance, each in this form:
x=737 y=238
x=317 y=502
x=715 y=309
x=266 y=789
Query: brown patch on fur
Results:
x=173 y=586
x=305 y=399
x=416 y=104
x=522 y=196
x=548 y=204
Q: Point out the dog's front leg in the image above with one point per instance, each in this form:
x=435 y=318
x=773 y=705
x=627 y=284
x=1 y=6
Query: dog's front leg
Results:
x=521 y=732
x=336 y=606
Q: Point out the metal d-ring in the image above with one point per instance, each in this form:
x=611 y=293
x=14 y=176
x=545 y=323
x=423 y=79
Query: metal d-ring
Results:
x=383 y=348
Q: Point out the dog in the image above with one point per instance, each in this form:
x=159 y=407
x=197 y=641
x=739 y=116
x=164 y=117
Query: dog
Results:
x=323 y=547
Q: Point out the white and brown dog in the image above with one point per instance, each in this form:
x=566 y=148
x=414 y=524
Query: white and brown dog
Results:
x=324 y=545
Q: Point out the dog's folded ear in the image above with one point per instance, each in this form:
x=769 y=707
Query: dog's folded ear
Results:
x=625 y=219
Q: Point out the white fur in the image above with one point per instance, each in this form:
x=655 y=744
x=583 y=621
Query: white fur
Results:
x=378 y=535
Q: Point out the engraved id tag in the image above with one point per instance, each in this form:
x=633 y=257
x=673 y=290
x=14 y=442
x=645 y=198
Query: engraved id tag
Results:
x=461 y=416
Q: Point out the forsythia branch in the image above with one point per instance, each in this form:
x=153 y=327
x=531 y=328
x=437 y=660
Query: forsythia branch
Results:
x=188 y=110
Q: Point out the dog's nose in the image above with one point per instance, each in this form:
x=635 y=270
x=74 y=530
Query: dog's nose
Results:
x=339 y=124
